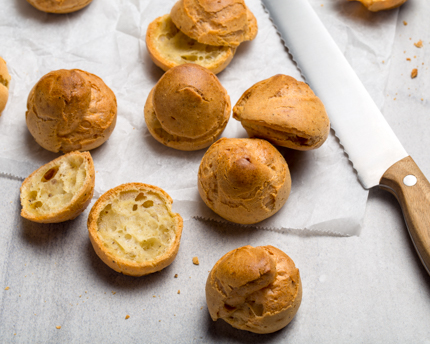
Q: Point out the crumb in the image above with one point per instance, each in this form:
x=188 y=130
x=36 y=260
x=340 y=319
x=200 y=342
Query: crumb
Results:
x=422 y=99
x=127 y=317
x=322 y=5
x=7 y=288
x=419 y=44
x=383 y=61
x=196 y=261
x=57 y=327
x=154 y=296
x=176 y=276
x=404 y=52
x=414 y=73
x=179 y=291
x=415 y=57
x=85 y=291
x=113 y=292
x=405 y=23
x=394 y=99
x=408 y=59
x=80 y=295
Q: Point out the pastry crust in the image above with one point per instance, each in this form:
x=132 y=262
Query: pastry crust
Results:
x=169 y=47
x=59 y=6
x=379 y=5
x=224 y=22
x=4 y=84
x=285 y=112
x=188 y=108
x=257 y=289
x=133 y=229
x=71 y=110
x=244 y=180
x=59 y=190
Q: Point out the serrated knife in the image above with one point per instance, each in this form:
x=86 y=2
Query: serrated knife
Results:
x=377 y=155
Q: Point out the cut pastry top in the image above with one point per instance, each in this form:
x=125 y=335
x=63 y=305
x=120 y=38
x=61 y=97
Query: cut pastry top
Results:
x=225 y=22
x=285 y=112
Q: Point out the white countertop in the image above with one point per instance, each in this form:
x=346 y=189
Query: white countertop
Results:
x=369 y=288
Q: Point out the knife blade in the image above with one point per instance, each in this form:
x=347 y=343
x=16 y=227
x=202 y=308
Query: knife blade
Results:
x=377 y=155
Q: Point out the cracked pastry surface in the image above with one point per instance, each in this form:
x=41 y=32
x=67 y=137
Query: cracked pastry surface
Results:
x=188 y=108
x=169 y=47
x=71 y=110
x=380 y=5
x=4 y=84
x=59 y=190
x=244 y=180
x=133 y=230
x=285 y=112
x=257 y=289
x=224 y=22
x=59 y=6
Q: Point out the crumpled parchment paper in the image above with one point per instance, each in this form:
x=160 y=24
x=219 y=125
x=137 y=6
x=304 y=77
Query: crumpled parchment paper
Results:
x=108 y=39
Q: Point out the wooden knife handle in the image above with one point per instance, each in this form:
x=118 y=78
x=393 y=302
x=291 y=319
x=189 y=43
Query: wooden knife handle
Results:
x=411 y=188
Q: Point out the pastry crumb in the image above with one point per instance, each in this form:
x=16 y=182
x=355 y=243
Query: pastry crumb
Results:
x=408 y=59
x=176 y=276
x=127 y=317
x=414 y=73
x=179 y=291
x=113 y=292
x=7 y=288
x=57 y=327
x=419 y=44
x=405 y=23
x=196 y=261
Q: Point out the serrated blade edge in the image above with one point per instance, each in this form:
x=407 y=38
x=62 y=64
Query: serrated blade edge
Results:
x=363 y=132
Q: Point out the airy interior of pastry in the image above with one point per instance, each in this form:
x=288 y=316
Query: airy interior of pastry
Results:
x=169 y=47
x=380 y=5
x=133 y=229
x=59 y=190
x=257 y=289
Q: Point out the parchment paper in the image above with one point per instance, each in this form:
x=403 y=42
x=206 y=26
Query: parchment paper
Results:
x=107 y=39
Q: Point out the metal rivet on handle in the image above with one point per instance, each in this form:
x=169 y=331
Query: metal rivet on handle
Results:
x=410 y=180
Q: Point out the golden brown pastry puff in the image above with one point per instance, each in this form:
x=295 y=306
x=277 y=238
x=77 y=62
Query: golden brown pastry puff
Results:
x=4 y=84
x=188 y=108
x=257 y=289
x=59 y=6
x=71 y=110
x=244 y=180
